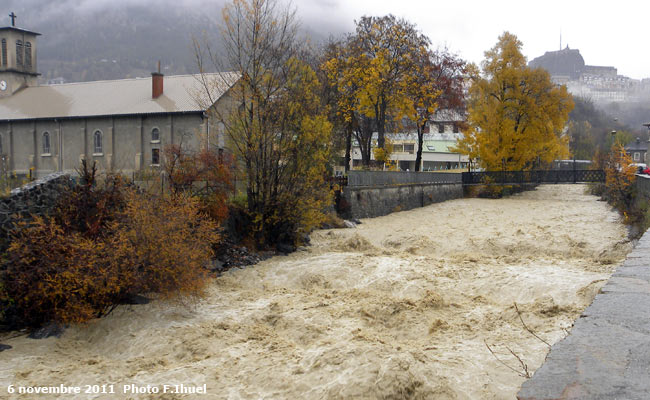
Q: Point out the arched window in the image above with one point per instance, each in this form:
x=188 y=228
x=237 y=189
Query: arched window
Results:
x=155 y=135
x=4 y=52
x=97 y=141
x=46 y=142
x=19 y=52
x=28 y=55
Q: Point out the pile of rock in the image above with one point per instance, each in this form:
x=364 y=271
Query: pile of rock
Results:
x=231 y=255
x=34 y=198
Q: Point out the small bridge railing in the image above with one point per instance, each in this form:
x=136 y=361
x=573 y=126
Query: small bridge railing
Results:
x=521 y=177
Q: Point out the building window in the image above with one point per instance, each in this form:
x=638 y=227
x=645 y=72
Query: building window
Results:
x=28 y=55
x=455 y=128
x=398 y=148
x=409 y=148
x=19 y=52
x=441 y=128
x=46 y=143
x=4 y=52
x=97 y=142
x=155 y=156
x=637 y=156
x=155 y=135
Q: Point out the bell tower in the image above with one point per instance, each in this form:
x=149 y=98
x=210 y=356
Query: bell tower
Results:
x=17 y=58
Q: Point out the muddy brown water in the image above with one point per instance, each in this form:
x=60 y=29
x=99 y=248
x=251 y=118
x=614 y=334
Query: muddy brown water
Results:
x=401 y=307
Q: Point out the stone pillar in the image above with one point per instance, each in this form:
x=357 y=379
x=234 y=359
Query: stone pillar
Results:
x=138 y=154
x=110 y=145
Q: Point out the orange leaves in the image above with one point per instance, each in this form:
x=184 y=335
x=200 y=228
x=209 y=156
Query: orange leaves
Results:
x=517 y=114
x=71 y=271
x=620 y=180
x=205 y=174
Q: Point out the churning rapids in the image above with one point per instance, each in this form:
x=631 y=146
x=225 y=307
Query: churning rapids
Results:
x=400 y=307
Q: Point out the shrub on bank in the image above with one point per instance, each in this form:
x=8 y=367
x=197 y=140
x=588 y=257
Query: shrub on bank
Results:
x=103 y=245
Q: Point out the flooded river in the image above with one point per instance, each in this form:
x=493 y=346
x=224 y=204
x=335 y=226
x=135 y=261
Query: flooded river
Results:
x=400 y=307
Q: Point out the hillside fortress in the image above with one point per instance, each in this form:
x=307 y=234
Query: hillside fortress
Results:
x=601 y=84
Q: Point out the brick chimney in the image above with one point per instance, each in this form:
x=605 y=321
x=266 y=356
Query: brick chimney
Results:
x=156 y=83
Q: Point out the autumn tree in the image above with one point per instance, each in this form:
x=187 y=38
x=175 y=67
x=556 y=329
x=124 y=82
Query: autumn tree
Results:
x=620 y=179
x=274 y=122
x=517 y=115
x=344 y=69
x=386 y=47
x=370 y=72
x=435 y=81
x=204 y=174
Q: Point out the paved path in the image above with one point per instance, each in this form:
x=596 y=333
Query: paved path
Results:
x=607 y=354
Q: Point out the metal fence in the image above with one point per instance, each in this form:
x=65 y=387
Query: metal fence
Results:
x=520 y=177
x=391 y=178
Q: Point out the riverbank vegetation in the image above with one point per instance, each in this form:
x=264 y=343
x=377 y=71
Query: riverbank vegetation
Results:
x=620 y=188
x=104 y=243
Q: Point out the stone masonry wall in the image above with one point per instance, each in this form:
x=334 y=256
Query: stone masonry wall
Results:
x=35 y=198
x=369 y=202
x=643 y=186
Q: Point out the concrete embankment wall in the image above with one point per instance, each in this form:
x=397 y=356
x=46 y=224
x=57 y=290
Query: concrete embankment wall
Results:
x=376 y=193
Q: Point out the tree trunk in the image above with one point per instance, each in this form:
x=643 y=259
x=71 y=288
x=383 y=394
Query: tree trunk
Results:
x=381 y=124
x=418 y=156
x=348 y=147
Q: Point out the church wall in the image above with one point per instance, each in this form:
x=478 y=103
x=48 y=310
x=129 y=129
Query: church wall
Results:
x=105 y=157
x=126 y=141
x=73 y=136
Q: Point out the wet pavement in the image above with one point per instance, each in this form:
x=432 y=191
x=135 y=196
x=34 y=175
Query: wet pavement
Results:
x=607 y=354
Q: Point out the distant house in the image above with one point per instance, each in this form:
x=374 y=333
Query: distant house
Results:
x=638 y=150
x=440 y=137
x=123 y=125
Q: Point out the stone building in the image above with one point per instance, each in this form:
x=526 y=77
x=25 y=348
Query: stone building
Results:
x=637 y=150
x=123 y=125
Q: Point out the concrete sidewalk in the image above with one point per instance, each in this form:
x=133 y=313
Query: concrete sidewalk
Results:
x=607 y=354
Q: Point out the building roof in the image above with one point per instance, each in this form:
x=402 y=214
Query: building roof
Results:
x=13 y=28
x=637 y=145
x=182 y=93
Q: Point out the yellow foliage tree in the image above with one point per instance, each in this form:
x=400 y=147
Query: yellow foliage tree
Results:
x=387 y=48
x=275 y=122
x=620 y=179
x=517 y=115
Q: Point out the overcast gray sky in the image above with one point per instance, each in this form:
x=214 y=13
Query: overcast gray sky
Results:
x=613 y=33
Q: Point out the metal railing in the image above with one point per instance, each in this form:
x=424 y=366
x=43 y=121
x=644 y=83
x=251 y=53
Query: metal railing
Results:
x=521 y=177
x=392 y=178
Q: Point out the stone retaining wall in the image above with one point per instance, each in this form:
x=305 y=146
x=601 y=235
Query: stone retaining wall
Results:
x=35 y=198
x=643 y=186
x=371 y=201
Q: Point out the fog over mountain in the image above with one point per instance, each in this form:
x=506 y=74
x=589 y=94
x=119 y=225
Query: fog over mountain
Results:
x=86 y=40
